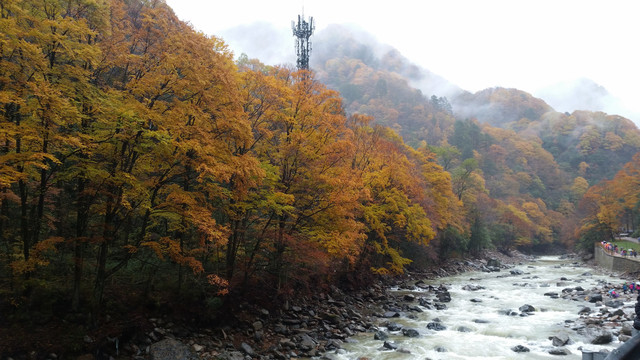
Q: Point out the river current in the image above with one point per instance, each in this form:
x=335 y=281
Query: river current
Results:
x=487 y=332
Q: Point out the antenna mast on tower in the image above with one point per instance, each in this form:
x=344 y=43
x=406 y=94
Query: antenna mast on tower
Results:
x=303 y=31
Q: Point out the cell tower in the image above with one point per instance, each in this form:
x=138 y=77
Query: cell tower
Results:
x=303 y=31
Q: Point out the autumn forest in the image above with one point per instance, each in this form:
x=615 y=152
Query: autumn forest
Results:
x=140 y=156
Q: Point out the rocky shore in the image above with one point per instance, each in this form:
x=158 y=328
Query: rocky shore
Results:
x=319 y=325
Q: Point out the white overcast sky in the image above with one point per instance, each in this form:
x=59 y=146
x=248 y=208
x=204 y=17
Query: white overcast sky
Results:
x=475 y=44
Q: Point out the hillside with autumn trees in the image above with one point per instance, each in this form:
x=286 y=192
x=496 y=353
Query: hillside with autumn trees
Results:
x=519 y=167
x=138 y=157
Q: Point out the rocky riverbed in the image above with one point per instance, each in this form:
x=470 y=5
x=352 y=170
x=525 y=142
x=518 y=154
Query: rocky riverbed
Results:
x=322 y=324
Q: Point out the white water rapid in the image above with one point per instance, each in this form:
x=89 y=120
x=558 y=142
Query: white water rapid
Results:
x=491 y=334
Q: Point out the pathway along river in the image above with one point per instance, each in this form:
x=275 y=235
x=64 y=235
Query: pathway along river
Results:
x=477 y=326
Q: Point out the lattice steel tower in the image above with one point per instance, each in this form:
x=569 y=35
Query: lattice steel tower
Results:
x=303 y=31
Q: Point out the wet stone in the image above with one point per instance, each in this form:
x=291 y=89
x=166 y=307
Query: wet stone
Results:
x=520 y=349
x=380 y=335
x=389 y=346
x=410 y=333
x=436 y=326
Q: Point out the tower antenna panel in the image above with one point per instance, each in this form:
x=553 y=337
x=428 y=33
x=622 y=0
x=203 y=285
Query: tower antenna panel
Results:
x=303 y=31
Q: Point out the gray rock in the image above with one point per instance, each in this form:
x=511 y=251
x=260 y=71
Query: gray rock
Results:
x=306 y=343
x=380 y=335
x=585 y=310
x=333 y=344
x=443 y=296
x=560 y=351
x=476 y=300
x=247 y=349
x=463 y=329
x=600 y=337
x=409 y=297
x=410 y=333
x=618 y=312
x=424 y=302
x=257 y=325
x=391 y=314
x=394 y=326
x=626 y=329
x=516 y=272
x=440 y=306
x=594 y=298
x=560 y=340
x=614 y=303
x=258 y=335
x=520 y=349
x=436 y=326
x=623 y=338
x=389 y=346
x=527 y=308
x=171 y=349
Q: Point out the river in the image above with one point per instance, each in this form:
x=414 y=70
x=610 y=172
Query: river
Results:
x=487 y=332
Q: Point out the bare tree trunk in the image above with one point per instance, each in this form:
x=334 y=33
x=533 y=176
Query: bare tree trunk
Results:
x=81 y=229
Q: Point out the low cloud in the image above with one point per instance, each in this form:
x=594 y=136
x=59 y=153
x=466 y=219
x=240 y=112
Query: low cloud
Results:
x=585 y=94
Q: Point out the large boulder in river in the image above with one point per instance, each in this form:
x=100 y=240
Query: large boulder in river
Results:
x=594 y=298
x=614 y=303
x=626 y=329
x=410 y=332
x=171 y=349
x=391 y=326
x=443 y=296
x=380 y=335
x=440 y=306
x=520 y=349
x=436 y=326
x=389 y=346
x=560 y=351
x=560 y=340
x=526 y=308
x=598 y=336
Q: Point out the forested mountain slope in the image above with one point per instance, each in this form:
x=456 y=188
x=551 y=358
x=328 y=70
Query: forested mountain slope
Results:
x=506 y=144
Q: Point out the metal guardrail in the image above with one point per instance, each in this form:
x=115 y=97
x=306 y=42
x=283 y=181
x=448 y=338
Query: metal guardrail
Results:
x=630 y=350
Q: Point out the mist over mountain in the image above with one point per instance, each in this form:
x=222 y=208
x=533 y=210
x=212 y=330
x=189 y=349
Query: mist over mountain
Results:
x=275 y=46
x=377 y=80
x=584 y=94
x=349 y=41
x=499 y=106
